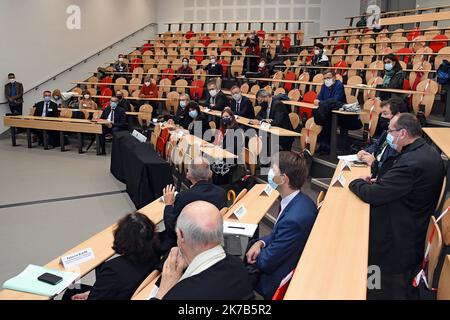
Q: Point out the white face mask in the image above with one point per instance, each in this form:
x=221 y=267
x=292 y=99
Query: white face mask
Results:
x=237 y=96
x=316 y=52
x=147 y=83
x=120 y=59
x=12 y=80
x=213 y=93
x=56 y=98
x=329 y=82
x=262 y=64
x=86 y=96
x=213 y=61
x=185 y=63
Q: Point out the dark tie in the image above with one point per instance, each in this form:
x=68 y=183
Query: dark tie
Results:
x=46 y=108
x=112 y=115
x=238 y=107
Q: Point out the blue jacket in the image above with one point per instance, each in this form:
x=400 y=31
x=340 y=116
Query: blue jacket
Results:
x=335 y=92
x=285 y=244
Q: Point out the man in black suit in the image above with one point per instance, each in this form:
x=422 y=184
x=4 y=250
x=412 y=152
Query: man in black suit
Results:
x=116 y=117
x=181 y=117
x=47 y=108
x=276 y=114
x=202 y=189
x=216 y=99
x=14 y=95
x=240 y=105
x=199 y=268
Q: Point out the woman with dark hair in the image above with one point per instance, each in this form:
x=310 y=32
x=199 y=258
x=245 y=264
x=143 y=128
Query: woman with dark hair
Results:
x=197 y=123
x=394 y=77
x=230 y=137
x=135 y=242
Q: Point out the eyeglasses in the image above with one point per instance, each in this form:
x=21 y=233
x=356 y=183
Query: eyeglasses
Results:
x=393 y=130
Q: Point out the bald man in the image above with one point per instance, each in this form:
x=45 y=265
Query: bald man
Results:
x=199 y=268
x=202 y=189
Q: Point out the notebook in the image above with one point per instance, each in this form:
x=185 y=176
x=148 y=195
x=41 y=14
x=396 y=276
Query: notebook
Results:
x=27 y=281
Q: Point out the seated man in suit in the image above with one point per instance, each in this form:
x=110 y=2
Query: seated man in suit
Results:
x=331 y=97
x=199 y=268
x=199 y=175
x=240 y=105
x=116 y=117
x=380 y=156
x=216 y=99
x=47 y=108
x=276 y=114
x=277 y=254
x=401 y=203
x=181 y=117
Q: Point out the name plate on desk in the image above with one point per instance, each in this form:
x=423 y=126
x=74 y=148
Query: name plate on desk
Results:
x=139 y=136
x=267 y=190
x=77 y=258
x=340 y=182
x=240 y=212
x=265 y=125
x=345 y=166
x=238 y=228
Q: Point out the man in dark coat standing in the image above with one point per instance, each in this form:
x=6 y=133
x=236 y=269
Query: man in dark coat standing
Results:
x=401 y=204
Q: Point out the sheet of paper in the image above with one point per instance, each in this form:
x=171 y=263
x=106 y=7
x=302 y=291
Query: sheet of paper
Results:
x=349 y=158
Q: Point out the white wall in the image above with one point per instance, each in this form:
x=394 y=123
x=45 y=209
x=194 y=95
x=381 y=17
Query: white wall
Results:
x=326 y=13
x=36 y=44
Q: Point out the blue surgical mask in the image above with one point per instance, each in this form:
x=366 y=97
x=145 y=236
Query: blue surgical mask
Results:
x=47 y=98
x=193 y=114
x=388 y=66
x=270 y=177
x=114 y=105
x=183 y=104
x=390 y=140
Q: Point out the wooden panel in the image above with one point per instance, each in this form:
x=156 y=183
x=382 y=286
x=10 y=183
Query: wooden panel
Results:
x=426 y=17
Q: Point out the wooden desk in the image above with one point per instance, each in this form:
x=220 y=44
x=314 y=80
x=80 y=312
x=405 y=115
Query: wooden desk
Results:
x=55 y=124
x=334 y=261
x=145 y=293
x=441 y=138
x=210 y=149
x=280 y=132
x=256 y=203
x=101 y=244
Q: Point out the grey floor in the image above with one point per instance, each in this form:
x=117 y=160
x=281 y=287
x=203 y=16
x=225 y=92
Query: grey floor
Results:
x=51 y=201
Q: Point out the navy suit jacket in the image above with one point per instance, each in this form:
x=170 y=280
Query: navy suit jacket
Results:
x=246 y=108
x=285 y=244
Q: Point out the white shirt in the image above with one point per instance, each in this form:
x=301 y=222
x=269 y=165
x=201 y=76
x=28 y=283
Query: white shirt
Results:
x=268 y=109
x=286 y=201
x=46 y=106
x=110 y=116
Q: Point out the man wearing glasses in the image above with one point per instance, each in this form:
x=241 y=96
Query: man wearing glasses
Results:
x=401 y=202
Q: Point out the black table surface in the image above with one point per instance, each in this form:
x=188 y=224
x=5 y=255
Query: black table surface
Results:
x=137 y=165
